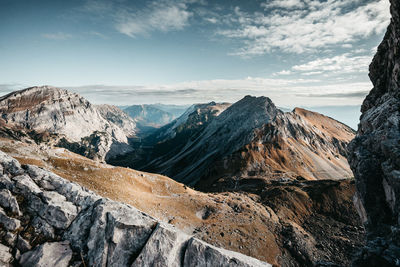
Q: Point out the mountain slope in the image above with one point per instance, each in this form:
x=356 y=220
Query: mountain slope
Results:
x=118 y=117
x=71 y=120
x=171 y=138
x=254 y=138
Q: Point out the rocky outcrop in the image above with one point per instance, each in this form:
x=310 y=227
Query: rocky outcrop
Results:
x=375 y=153
x=59 y=223
x=65 y=119
x=251 y=138
x=115 y=115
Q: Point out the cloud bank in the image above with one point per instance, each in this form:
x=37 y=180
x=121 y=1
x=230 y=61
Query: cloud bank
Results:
x=301 y=26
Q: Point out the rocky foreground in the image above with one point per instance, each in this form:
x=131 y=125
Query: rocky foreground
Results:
x=48 y=221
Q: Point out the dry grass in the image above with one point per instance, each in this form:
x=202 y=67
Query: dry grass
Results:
x=161 y=197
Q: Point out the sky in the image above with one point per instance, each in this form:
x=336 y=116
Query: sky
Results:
x=308 y=53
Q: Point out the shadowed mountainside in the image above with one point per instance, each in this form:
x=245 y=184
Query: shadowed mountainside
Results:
x=375 y=153
x=250 y=138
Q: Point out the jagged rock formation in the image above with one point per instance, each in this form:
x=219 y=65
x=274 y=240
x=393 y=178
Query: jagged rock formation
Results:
x=48 y=221
x=64 y=119
x=375 y=153
x=170 y=139
x=118 y=117
x=195 y=118
x=250 y=138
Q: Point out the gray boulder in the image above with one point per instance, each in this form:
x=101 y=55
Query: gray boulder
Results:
x=5 y=256
x=48 y=254
x=8 y=201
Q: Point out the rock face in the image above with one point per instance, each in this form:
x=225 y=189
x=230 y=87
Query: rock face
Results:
x=63 y=224
x=375 y=153
x=115 y=115
x=69 y=119
x=251 y=138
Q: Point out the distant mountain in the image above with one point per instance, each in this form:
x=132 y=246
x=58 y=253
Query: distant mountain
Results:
x=171 y=138
x=175 y=110
x=249 y=139
x=349 y=115
x=154 y=115
x=62 y=118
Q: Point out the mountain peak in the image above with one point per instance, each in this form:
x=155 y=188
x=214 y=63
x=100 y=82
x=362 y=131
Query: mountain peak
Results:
x=257 y=99
x=44 y=89
x=47 y=109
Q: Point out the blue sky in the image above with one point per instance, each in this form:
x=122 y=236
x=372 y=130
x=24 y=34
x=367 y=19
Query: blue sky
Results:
x=297 y=52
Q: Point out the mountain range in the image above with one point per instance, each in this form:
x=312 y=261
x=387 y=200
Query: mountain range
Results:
x=212 y=144
x=149 y=117
x=280 y=174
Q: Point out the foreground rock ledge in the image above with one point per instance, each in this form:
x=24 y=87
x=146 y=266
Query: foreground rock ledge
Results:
x=48 y=221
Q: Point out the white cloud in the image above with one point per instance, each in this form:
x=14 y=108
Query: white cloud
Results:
x=321 y=24
x=287 y=4
x=211 y=20
x=345 y=63
x=57 y=36
x=347 y=45
x=283 y=72
x=360 y=51
x=284 y=92
x=158 y=16
x=311 y=73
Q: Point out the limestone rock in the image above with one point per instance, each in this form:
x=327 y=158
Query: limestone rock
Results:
x=165 y=247
x=64 y=118
x=199 y=253
x=8 y=223
x=48 y=254
x=5 y=256
x=68 y=225
x=8 y=201
x=118 y=117
x=58 y=212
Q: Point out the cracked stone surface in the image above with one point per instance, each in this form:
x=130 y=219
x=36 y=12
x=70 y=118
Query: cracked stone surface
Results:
x=48 y=221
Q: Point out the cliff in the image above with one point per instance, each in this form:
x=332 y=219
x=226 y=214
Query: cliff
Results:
x=375 y=153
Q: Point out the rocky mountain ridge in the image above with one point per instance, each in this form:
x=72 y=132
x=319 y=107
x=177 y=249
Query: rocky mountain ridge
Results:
x=48 y=221
x=115 y=115
x=375 y=153
x=65 y=119
x=249 y=138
